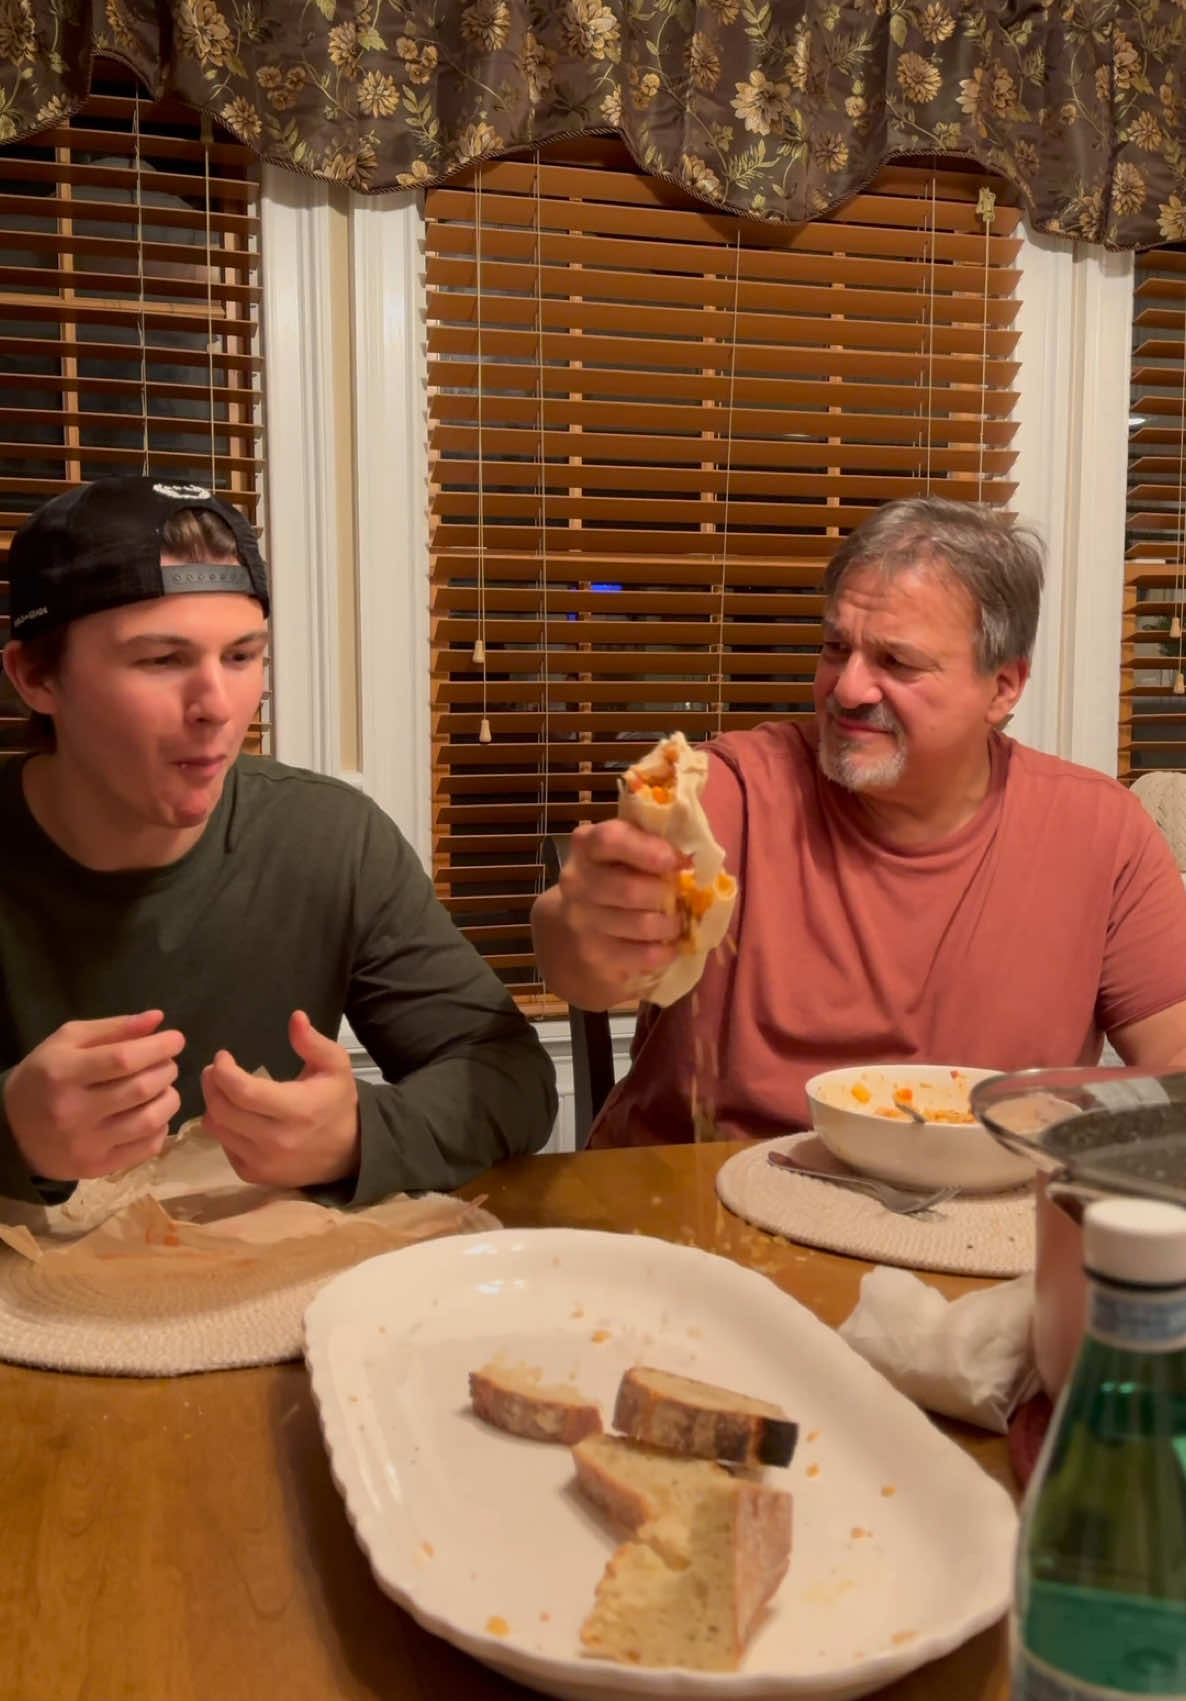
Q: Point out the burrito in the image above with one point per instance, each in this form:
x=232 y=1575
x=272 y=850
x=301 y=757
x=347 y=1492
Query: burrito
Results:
x=661 y=794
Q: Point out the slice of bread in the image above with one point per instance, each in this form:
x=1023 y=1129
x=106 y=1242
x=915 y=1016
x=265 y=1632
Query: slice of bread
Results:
x=635 y=1485
x=696 y=1418
x=696 y=1602
x=515 y=1397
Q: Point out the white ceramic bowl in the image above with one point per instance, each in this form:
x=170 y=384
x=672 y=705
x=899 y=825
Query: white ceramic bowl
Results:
x=856 y=1129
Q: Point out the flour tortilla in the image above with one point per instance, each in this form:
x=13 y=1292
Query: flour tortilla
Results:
x=661 y=794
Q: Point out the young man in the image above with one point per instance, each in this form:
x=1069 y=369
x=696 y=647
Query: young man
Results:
x=175 y=917
x=914 y=884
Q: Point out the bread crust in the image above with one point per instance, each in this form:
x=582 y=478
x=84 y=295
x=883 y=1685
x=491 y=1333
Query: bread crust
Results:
x=762 y=1548
x=685 y=1416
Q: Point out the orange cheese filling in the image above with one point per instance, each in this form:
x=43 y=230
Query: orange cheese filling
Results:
x=659 y=782
x=693 y=899
x=661 y=791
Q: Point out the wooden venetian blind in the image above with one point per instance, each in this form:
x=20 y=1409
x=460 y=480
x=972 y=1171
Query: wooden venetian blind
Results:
x=649 y=427
x=129 y=297
x=1152 y=696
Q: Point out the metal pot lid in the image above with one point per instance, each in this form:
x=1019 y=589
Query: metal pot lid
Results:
x=1117 y=1130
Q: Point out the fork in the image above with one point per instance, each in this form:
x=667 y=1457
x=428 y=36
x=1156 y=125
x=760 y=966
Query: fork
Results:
x=895 y=1199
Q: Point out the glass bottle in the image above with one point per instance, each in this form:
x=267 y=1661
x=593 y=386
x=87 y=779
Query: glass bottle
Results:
x=1100 y=1604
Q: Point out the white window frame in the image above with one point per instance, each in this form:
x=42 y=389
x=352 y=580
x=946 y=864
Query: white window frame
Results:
x=1072 y=441
x=386 y=304
x=391 y=434
x=1072 y=412
x=301 y=471
x=1075 y=320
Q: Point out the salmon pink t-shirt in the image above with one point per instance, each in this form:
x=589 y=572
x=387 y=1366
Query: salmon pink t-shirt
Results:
x=1053 y=917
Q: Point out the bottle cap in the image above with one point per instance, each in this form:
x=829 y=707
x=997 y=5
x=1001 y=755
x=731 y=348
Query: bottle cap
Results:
x=1136 y=1240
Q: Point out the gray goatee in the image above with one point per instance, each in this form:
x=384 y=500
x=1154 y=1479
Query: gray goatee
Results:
x=845 y=760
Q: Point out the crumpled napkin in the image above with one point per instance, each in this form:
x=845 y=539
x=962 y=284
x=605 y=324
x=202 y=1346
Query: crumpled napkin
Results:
x=968 y=1358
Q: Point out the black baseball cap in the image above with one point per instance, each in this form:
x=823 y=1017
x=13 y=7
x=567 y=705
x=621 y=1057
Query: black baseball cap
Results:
x=100 y=546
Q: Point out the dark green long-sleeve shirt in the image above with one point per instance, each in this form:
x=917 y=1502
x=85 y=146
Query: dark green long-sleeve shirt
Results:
x=300 y=894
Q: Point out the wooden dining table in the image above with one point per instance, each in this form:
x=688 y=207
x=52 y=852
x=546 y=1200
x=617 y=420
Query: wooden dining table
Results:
x=181 y=1538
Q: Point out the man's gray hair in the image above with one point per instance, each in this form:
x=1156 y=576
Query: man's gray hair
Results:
x=997 y=561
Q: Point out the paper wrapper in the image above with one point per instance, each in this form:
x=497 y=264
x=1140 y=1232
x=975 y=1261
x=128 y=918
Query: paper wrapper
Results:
x=661 y=794
x=968 y=1358
x=179 y=1266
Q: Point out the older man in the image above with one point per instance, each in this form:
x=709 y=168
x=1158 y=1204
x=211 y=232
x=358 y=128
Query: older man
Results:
x=914 y=884
x=179 y=922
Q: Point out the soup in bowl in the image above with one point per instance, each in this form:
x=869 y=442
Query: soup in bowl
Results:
x=859 y=1115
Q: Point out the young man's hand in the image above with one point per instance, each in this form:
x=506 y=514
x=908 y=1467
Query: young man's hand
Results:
x=95 y=1097
x=298 y=1133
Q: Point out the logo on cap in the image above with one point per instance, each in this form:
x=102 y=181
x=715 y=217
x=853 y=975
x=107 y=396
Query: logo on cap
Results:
x=206 y=576
x=184 y=492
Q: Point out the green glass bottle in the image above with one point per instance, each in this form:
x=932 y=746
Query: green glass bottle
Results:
x=1100 y=1604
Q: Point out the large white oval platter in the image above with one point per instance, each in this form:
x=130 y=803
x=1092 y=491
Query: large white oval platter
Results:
x=902 y=1545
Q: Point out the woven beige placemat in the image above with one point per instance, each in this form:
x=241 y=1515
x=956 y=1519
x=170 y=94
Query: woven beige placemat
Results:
x=181 y=1267
x=987 y=1234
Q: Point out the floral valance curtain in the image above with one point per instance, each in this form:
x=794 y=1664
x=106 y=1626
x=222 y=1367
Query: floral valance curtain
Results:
x=778 y=109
